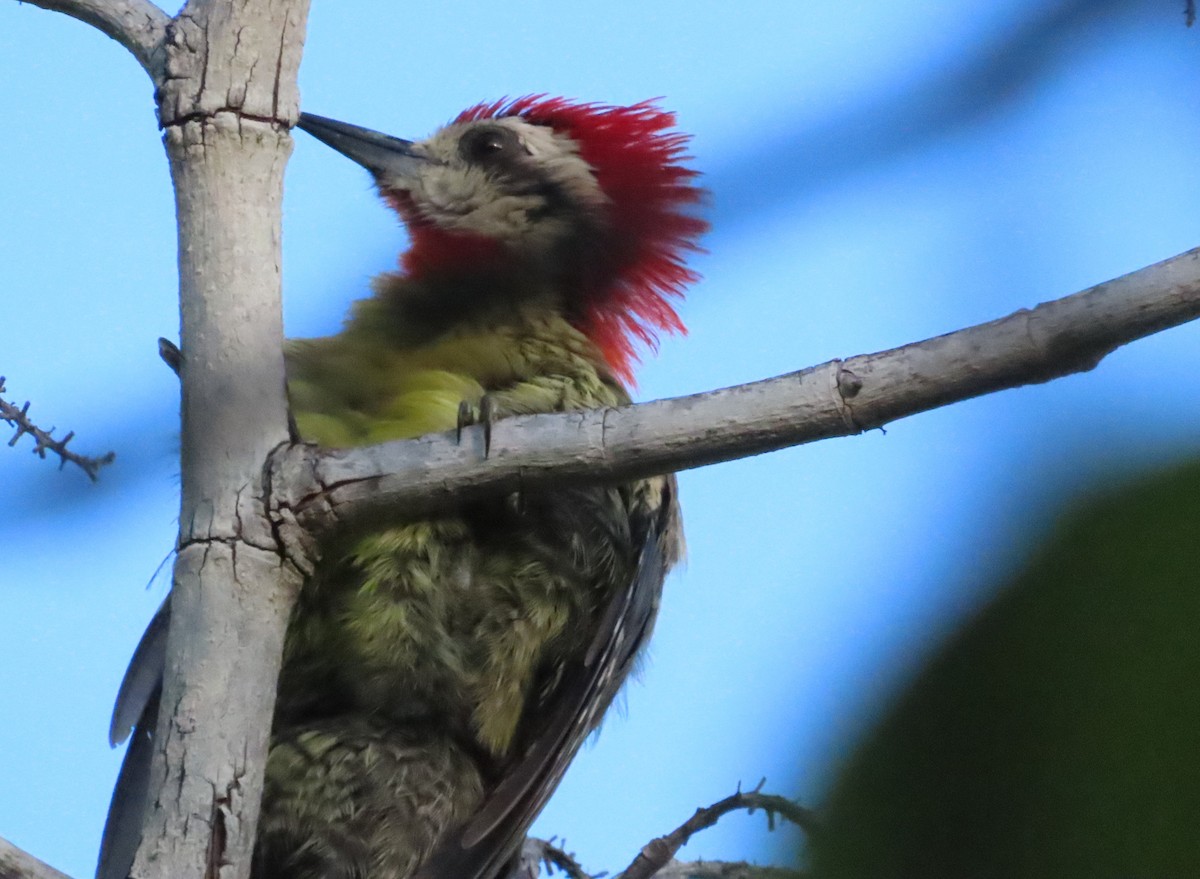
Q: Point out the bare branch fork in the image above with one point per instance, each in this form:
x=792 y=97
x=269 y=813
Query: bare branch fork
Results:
x=658 y=855
x=137 y=25
x=224 y=76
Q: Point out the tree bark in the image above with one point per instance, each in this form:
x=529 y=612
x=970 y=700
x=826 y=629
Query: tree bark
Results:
x=16 y=864
x=226 y=106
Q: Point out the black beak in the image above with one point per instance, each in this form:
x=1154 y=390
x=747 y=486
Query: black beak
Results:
x=381 y=154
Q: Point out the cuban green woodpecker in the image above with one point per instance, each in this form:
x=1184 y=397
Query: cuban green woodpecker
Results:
x=438 y=676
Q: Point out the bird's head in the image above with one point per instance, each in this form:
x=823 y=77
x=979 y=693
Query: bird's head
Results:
x=593 y=198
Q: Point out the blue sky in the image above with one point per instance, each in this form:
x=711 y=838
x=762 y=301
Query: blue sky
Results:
x=880 y=173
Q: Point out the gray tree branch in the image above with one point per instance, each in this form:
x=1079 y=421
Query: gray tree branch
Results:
x=542 y=858
x=320 y=489
x=657 y=858
x=725 y=870
x=44 y=440
x=225 y=110
x=138 y=25
x=17 y=864
x=658 y=853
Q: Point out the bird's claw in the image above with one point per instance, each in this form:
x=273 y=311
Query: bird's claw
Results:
x=485 y=415
x=466 y=417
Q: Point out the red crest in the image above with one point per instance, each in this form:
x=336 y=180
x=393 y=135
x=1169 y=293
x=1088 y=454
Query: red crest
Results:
x=637 y=161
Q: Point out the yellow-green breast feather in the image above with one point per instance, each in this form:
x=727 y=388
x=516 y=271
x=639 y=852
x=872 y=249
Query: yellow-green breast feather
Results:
x=361 y=387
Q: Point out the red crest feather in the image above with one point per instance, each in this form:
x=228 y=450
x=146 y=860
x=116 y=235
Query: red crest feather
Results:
x=637 y=163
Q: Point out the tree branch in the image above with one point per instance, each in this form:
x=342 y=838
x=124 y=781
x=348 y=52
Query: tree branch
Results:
x=539 y=853
x=725 y=870
x=319 y=489
x=17 y=864
x=658 y=853
x=657 y=857
x=225 y=111
x=44 y=440
x=138 y=25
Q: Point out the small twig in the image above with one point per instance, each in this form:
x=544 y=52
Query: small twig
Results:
x=726 y=870
x=44 y=441
x=1189 y=12
x=544 y=851
x=657 y=853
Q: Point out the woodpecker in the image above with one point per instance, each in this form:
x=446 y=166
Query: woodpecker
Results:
x=439 y=675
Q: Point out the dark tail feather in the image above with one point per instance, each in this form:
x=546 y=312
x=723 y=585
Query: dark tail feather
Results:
x=123 y=829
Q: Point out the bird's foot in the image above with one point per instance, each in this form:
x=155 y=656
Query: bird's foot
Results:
x=466 y=417
x=485 y=414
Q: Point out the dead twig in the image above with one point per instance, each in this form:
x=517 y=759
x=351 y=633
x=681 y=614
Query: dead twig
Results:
x=543 y=852
x=44 y=441
x=658 y=853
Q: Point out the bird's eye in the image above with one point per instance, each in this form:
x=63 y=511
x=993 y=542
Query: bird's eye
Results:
x=485 y=145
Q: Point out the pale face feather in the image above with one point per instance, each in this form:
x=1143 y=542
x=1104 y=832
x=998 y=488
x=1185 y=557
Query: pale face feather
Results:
x=533 y=193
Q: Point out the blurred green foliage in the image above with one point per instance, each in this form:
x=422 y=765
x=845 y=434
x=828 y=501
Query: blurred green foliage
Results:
x=1058 y=733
